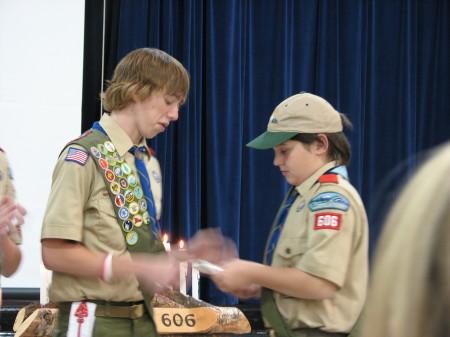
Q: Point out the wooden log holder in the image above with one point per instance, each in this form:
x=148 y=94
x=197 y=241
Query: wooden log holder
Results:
x=175 y=315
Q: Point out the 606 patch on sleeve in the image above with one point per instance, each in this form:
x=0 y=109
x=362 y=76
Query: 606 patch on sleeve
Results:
x=328 y=221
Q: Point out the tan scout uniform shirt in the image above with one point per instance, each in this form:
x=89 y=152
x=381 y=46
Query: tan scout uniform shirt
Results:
x=7 y=189
x=79 y=209
x=337 y=255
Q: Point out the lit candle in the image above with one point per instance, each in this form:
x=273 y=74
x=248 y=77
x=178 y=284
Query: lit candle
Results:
x=183 y=271
x=166 y=243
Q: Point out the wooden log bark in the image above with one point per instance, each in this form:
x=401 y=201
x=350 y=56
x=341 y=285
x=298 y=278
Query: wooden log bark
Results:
x=39 y=324
x=26 y=311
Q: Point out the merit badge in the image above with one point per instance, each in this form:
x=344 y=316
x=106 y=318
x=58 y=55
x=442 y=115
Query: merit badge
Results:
x=146 y=218
x=123 y=213
x=156 y=176
x=117 y=171
x=110 y=146
x=138 y=192
x=111 y=161
x=143 y=205
x=327 y=221
x=126 y=169
x=134 y=208
x=127 y=225
x=115 y=188
x=123 y=183
x=129 y=196
x=119 y=200
x=118 y=157
x=329 y=200
x=103 y=163
x=132 y=238
x=132 y=180
x=300 y=206
x=109 y=175
x=95 y=152
x=137 y=220
x=102 y=149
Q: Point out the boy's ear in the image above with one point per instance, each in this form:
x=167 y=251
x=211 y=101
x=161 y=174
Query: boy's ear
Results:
x=321 y=147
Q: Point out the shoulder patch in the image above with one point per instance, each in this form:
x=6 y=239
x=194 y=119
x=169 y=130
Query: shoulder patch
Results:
x=328 y=178
x=329 y=200
x=77 y=155
x=327 y=221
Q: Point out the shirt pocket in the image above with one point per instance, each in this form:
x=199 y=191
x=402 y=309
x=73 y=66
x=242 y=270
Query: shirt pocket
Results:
x=109 y=232
x=290 y=251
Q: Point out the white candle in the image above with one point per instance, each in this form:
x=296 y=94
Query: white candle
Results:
x=183 y=277
x=183 y=271
x=195 y=282
x=45 y=283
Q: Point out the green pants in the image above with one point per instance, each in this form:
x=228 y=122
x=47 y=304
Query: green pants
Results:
x=109 y=326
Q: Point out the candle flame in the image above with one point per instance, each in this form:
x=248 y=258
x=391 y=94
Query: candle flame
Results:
x=165 y=238
x=181 y=244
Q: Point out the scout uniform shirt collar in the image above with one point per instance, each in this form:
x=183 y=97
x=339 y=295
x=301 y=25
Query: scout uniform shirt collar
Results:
x=118 y=136
x=308 y=183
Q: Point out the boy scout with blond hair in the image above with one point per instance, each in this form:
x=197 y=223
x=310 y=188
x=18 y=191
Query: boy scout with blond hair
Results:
x=100 y=234
x=314 y=277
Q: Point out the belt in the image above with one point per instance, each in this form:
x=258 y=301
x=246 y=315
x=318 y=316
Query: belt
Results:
x=131 y=310
x=311 y=332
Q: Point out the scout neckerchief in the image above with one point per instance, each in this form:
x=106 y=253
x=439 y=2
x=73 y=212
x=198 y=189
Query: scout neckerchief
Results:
x=126 y=195
x=268 y=306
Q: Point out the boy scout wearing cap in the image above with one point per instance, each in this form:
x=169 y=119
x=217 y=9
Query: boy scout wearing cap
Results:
x=97 y=213
x=10 y=235
x=314 y=278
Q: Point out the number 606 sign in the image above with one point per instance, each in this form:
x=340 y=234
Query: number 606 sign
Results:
x=184 y=320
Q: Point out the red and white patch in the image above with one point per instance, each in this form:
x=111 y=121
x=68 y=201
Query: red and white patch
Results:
x=328 y=221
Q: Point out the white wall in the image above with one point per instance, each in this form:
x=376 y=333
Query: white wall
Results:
x=41 y=61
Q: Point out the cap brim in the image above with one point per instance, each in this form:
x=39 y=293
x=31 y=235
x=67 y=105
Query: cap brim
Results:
x=270 y=139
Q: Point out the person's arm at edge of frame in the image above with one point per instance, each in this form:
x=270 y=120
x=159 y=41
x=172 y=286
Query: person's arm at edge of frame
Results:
x=12 y=256
x=289 y=281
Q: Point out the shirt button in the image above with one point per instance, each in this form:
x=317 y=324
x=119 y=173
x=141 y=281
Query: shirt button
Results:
x=288 y=250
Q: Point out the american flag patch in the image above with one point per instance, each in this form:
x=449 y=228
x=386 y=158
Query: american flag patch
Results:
x=77 y=155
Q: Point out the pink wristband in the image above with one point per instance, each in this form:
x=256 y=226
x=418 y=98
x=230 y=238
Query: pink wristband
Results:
x=107 y=268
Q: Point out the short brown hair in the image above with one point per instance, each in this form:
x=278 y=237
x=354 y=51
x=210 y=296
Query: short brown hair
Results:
x=142 y=72
x=339 y=149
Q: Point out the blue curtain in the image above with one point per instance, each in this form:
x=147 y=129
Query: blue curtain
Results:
x=386 y=64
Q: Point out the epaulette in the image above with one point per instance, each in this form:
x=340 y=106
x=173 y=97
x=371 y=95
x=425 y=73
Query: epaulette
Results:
x=150 y=150
x=328 y=178
x=81 y=136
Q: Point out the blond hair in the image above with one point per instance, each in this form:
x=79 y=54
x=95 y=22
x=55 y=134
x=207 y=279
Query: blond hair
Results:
x=410 y=292
x=142 y=72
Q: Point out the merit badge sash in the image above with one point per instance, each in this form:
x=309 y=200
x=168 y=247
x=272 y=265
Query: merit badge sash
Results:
x=125 y=191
